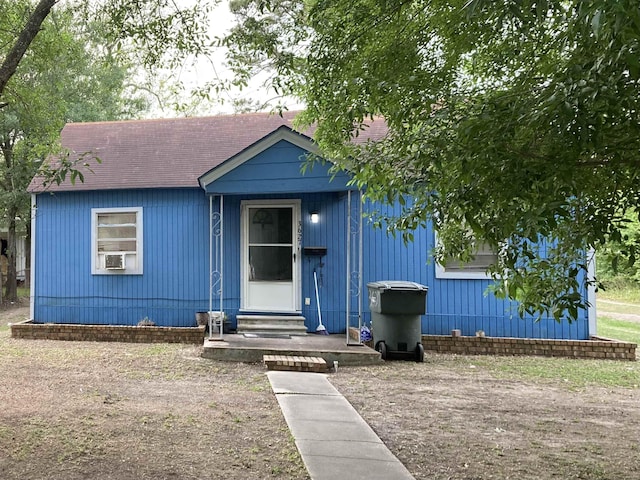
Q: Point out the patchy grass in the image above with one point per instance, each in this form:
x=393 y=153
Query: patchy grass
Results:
x=619 y=329
x=624 y=302
x=617 y=307
x=626 y=293
x=565 y=372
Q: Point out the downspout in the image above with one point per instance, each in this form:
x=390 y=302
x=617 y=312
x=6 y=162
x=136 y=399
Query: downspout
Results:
x=32 y=276
x=591 y=292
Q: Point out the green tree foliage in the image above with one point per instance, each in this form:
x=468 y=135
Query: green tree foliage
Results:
x=161 y=32
x=512 y=122
x=73 y=60
x=617 y=265
x=70 y=73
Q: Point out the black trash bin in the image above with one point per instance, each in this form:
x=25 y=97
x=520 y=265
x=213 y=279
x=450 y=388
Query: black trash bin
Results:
x=396 y=309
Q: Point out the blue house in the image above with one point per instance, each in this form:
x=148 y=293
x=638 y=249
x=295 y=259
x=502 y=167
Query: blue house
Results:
x=215 y=214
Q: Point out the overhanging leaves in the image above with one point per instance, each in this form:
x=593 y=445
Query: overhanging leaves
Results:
x=517 y=119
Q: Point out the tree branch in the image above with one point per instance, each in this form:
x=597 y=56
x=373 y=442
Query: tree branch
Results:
x=28 y=33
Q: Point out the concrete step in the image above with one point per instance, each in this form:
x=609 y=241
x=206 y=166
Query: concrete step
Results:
x=270 y=319
x=291 y=324
x=266 y=328
x=332 y=348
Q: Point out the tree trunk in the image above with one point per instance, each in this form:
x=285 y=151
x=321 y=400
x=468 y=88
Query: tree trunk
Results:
x=28 y=33
x=11 y=287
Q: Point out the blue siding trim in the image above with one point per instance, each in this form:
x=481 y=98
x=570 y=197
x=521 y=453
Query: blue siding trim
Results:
x=278 y=170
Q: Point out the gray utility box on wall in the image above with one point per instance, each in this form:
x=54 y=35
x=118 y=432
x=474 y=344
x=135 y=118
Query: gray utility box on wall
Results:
x=396 y=310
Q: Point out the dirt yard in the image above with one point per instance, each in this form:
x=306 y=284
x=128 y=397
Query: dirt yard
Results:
x=75 y=410
x=71 y=410
x=457 y=417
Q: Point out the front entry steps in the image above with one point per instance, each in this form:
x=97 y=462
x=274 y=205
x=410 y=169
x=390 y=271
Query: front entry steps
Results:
x=271 y=324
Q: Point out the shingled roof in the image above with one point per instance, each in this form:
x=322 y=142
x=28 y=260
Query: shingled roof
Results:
x=169 y=153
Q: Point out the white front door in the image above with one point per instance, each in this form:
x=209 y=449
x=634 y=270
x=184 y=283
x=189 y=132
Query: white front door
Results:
x=271 y=255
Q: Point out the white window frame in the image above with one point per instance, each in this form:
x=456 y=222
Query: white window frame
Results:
x=460 y=273
x=133 y=260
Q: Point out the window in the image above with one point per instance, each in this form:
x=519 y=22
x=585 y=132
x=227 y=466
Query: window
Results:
x=474 y=269
x=116 y=241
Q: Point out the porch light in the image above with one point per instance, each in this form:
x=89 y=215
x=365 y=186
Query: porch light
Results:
x=315 y=217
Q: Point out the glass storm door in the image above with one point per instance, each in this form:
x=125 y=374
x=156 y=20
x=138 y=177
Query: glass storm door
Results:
x=270 y=256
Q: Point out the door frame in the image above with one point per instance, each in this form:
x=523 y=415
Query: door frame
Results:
x=296 y=219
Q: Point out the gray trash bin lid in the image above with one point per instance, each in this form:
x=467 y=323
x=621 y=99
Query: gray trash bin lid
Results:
x=397 y=285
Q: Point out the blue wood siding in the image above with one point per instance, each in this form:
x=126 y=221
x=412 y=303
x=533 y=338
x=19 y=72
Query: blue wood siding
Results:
x=175 y=281
x=453 y=304
x=277 y=170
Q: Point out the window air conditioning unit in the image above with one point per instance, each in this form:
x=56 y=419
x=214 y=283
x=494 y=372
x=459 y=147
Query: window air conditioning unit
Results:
x=114 y=261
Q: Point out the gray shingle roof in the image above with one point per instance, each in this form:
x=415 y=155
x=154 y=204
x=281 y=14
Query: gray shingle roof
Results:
x=169 y=153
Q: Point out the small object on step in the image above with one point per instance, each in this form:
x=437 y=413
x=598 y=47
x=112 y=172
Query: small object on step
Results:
x=365 y=334
x=456 y=333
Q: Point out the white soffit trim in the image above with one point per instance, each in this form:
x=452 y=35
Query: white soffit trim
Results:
x=282 y=133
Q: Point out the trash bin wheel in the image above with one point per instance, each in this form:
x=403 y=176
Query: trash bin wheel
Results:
x=419 y=353
x=381 y=347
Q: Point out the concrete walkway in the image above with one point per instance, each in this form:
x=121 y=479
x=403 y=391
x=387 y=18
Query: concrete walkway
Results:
x=333 y=440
